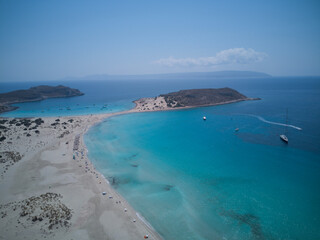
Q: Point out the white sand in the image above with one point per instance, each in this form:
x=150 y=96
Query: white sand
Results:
x=47 y=165
x=151 y=104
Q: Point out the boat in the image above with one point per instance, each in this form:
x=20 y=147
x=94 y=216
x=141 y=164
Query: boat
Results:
x=236 y=130
x=204 y=118
x=283 y=137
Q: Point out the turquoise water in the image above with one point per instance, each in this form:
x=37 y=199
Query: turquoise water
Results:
x=100 y=97
x=66 y=107
x=195 y=179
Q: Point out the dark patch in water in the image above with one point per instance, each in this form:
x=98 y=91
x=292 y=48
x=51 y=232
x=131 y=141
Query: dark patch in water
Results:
x=167 y=187
x=134 y=165
x=116 y=181
x=251 y=220
x=131 y=157
x=113 y=181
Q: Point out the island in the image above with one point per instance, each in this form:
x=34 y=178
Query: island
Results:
x=191 y=98
x=35 y=94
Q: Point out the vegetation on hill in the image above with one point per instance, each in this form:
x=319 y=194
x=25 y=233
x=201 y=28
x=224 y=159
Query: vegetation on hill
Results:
x=35 y=94
x=200 y=97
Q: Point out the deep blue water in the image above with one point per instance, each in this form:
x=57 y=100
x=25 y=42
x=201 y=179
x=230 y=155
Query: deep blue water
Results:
x=195 y=179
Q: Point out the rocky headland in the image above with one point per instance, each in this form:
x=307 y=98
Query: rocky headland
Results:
x=191 y=98
x=35 y=94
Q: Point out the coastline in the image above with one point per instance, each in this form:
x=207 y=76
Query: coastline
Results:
x=138 y=107
x=35 y=94
x=47 y=167
x=143 y=226
x=43 y=169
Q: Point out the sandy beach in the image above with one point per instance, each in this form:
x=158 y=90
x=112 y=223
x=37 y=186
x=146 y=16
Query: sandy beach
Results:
x=49 y=188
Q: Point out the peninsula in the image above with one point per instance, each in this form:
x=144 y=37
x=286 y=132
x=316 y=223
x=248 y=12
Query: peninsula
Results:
x=49 y=187
x=191 y=98
x=35 y=94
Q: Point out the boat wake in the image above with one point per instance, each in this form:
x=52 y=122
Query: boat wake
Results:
x=274 y=123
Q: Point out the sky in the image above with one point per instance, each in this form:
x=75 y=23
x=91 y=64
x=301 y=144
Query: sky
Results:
x=51 y=40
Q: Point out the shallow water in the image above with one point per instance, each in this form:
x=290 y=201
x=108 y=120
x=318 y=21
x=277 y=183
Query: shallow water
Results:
x=195 y=179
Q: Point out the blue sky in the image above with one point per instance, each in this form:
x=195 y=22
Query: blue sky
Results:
x=49 y=40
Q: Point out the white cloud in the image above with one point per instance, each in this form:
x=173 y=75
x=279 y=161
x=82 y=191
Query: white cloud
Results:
x=229 y=56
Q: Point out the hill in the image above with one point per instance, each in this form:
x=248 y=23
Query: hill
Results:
x=191 y=98
x=35 y=94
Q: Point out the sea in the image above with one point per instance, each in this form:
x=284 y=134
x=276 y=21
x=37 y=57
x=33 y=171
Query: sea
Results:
x=196 y=179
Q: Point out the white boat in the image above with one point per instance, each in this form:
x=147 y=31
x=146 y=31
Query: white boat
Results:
x=236 y=130
x=204 y=118
x=283 y=137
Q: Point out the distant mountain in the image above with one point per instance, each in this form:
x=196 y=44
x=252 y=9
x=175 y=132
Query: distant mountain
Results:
x=35 y=94
x=188 y=75
x=214 y=75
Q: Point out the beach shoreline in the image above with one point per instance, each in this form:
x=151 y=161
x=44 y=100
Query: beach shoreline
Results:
x=138 y=107
x=61 y=174
x=51 y=164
